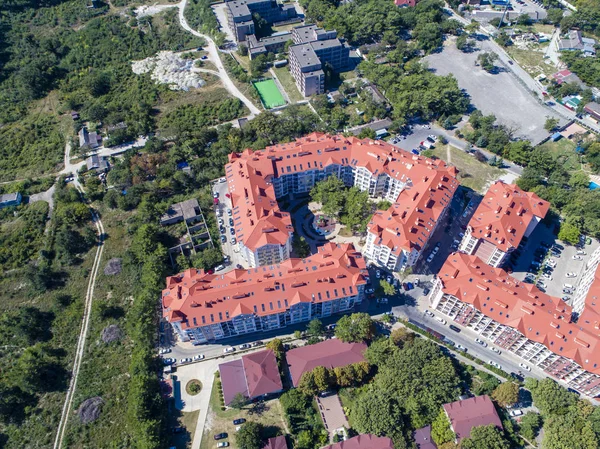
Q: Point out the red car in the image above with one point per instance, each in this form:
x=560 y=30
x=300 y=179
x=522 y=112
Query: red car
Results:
x=216 y=201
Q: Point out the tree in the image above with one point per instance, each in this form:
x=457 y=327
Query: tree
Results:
x=356 y=211
x=463 y=43
x=377 y=412
x=330 y=193
x=486 y=60
x=549 y=397
x=485 y=437
x=276 y=346
x=207 y=258
x=27 y=326
x=569 y=233
x=238 y=401
x=518 y=152
x=315 y=328
x=249 y=436
x=13 y=402
x=473 y=27
x=358 y=327
x=554 y=15
x=440 y=429
x=300 y=246
x=570 y=430
x=307 y=384
x=367 y=133
x=530 y=424
x=551 y=124
x=39 y=370
x=322 y=378
x=506 y=394
x=402 y=336
x=388 y=289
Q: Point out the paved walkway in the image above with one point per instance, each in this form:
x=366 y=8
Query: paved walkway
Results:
x=332 y=413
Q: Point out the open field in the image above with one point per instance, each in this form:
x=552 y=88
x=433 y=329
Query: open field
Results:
x=472 y=173
x=531 y=60
x=498 y=93
x=287 y=81
x=269 y=93
x=564 y=151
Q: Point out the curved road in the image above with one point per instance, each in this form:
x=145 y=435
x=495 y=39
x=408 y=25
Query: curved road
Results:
x=216 y=60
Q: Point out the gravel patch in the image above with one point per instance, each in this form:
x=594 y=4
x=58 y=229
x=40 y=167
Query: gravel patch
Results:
x=111 y=333
x=169 y=68
x=89 y=410
x=113 y=266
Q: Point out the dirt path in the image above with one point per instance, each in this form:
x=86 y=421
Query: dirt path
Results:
x=213 y=54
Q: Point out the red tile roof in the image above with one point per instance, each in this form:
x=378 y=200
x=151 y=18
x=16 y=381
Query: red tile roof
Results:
x=276 y=443
x=329 y=353
x=365 y=441
x=538 y=316
x=472 y=412
x=408 y=223
x=505 y=213
x=196 y=298
x=253 y=375
x=410 y=3
x=258 y=219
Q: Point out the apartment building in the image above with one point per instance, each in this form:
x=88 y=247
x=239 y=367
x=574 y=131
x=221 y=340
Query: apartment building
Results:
x=239 y=15
x=270 y=44
x=519 y=318
x=420 y=188
x=314 y=48
x=205 y=307
x=588 y=287
x=505 y=215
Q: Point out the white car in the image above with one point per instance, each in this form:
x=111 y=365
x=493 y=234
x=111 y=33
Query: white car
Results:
x=229 y=212
x=441 y=320
x=382 y=300
x=461 y=347
x=580 y=252
x=547 y=276
x=515 y=412
x=369 y=290
x=428 y=313
x=199 y=357
x=481 y=342
x=571 y=275
x=541 y=284
x=525 y=367
x=577 y=257
x=229 y=349
x=164 y=351
x=496 y=350
x=186 y=360
x=222 y=180
x=551 y=263
x=389 y=279
x=569 y=286
x=430 y=258
x=223 y=444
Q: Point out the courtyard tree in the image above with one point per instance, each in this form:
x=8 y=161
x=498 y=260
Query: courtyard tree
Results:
x=485 y=437
x=378 y=413
x=249 y=436
x=440 y=429
x=530 y=425
x=315 y=328
x=388 y=289
x=307 y=384
x=300 y=246
x=358 y=327
x=330 y=193
x=356 y=211
x=569 y=233
x=506 y=394
x=276 y=346
x=322 y=378
x=238 y=401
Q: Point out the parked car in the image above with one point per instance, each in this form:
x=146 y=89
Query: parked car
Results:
x=410 y=286
x=525 y=367
x=461 y=348
x=239 y=421
x=229 y=212
x=230 y=221
x=257 y=343
x=428 y=313
x=229 y=349
x=541 y=284
x=199 y=357
x=220 y=436
x=430 y=257
x=164 y=351
x=570 y=274
x=223 y=239
x=377 y=274
x=552 y=263
x=169 y=361
x=481 y=342
x=454 y=328
x=496 y=350
x=215 y=194
x=576 y=257
x=219 y=267
x=568 y=291
x=441 y=320
x=569 y=286
x=244 y=346
x=515 y=412
x=223 y=444
x=186 y=360
x=369 y=290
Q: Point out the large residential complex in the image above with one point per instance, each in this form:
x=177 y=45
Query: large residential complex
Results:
x=314 y=48
x=206 y=307
x=420 y=188
x=519 y=318
x=505 y=215
x=588 y=287
x=239 y=15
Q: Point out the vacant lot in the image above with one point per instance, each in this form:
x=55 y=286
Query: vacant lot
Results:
x=472 y=173
x=499 y=94
x=564 y=152
x=531 y=58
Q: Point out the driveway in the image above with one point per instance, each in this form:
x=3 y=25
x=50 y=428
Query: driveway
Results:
x=220 y=12
x=500 y=93
x=333 y=415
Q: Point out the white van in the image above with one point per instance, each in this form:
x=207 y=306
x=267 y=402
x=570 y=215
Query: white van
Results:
x=568 y=286
x=441 y=320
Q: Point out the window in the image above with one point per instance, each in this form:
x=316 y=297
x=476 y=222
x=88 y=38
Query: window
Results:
x=263 y=307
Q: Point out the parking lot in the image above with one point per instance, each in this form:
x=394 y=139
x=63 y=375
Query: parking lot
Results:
x=229 y=242
x=551 y=266
x=499 y=93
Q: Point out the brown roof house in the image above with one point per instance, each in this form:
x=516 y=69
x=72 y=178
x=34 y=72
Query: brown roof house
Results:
x=329 y=353
x=254 y=375
x=472 y=412
x=276 y=443
x=423 y=439
x=366 y=441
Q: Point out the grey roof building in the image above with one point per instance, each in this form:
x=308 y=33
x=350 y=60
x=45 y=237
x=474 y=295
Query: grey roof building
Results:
x=239 y=15
x=10 y=199
x=188 y=210
x=98 y=163
x=89 y=140
x=574 y=40
x=270 y=44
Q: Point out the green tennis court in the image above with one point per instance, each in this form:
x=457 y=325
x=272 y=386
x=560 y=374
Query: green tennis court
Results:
x=269 y=93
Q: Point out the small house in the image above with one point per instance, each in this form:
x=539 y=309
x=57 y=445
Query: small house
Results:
x=10 y=199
